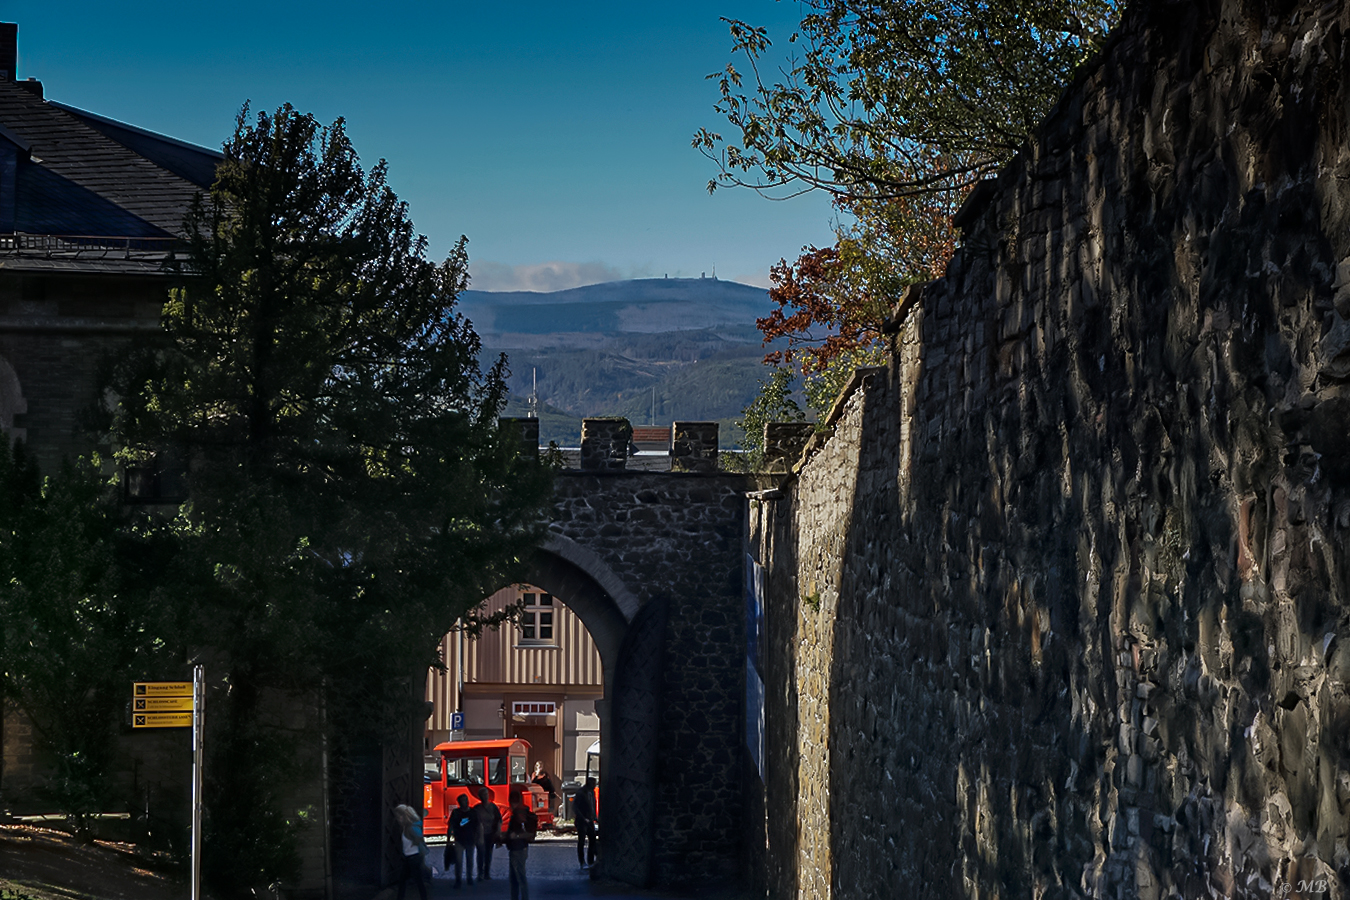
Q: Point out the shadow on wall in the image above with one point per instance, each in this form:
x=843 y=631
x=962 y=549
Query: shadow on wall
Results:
x=1095 y=640
x=775 y=860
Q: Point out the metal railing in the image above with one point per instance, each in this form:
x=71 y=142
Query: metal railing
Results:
x=85 y=246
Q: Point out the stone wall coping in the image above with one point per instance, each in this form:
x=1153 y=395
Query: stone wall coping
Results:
x=900 y=312
x=822 y=437
x=642 y=473
x=771 y=494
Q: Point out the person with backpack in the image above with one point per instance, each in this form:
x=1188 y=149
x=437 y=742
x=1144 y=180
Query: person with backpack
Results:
x=489 y=831
x=413 y=849
x=519 y=833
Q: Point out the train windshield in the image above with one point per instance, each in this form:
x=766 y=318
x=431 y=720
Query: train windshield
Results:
x=464 y=771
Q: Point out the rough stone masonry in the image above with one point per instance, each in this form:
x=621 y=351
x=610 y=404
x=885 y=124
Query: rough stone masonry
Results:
x=1062 y=607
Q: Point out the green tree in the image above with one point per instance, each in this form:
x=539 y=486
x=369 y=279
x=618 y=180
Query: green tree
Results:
x=774 y=403
x=892 y=98
x=80 y=619
x=349 y=492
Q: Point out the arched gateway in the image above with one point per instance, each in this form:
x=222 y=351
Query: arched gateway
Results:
x=651 y=562
x=630 y=638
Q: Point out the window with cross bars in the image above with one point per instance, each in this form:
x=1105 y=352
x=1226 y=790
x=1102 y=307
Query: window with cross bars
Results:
x=536 y=620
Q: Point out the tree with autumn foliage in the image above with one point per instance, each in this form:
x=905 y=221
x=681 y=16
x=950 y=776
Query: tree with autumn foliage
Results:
x=897 y=108
x=831 y=304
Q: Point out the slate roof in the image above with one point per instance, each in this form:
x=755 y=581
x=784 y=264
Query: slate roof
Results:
x=72 y=173
x=196 y=164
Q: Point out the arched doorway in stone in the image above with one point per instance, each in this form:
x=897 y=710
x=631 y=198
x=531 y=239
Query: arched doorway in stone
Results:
x=537 y=678
x=629 y=639
x=546 y=677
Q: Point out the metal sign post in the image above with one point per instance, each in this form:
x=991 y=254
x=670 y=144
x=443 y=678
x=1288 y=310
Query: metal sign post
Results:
x=198 y=729
x=178 y=704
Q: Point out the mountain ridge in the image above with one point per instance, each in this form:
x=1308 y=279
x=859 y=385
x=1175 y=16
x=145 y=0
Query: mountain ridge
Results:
x=663 y=348
x=636 y=306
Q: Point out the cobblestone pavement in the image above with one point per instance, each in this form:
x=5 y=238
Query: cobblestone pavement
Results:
x=552 y=872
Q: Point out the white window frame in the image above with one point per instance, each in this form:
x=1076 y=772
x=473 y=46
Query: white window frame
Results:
x=530 y=618
x=533 y=708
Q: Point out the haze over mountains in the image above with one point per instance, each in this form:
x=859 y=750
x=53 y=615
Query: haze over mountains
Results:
x=654 y=350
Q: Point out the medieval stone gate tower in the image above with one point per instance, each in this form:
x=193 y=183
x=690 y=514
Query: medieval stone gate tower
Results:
x=652 y=564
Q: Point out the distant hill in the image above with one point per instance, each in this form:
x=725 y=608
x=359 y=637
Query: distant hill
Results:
x=656 y=349
x=641 y=306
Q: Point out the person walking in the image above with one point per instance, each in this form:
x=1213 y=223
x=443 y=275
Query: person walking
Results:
x=464 y=827
x=584 y=807
x=413 y=849
x=519 y=833
x=489 y=831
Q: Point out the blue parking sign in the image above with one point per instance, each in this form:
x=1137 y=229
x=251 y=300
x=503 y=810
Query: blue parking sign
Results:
x=457 y=721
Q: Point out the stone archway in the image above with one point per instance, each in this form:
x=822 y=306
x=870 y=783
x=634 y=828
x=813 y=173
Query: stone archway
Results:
x=590 y=589
x=631 y=640
x=651 y=563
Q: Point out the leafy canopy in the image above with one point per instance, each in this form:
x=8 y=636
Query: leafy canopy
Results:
x=832 y=302
x=889 y=98
x=81 y=617
x=315 y=374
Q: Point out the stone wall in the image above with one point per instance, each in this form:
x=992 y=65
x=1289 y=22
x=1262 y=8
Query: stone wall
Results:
x=55 y=332
x=1060 y=609
x=676 y=539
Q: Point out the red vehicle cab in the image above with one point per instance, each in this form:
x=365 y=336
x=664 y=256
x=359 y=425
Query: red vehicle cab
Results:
x=466 y=766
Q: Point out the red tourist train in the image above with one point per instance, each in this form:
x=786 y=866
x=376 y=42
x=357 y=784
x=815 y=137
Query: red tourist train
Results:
x=466 y=766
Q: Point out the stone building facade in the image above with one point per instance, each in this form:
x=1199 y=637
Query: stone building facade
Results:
x=1059 y=609
x=89 y=210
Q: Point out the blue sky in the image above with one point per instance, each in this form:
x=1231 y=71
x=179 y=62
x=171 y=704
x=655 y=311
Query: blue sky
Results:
x=556 y=136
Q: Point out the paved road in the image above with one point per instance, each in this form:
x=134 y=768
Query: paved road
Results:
x=553 y=872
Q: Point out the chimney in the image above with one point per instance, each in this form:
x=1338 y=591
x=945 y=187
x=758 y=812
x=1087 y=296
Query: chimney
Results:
x=9 y=51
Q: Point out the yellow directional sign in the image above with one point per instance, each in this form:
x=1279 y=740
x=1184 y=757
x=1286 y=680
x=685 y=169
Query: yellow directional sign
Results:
x=161 y=704
x=161 y=720
x=162 y=689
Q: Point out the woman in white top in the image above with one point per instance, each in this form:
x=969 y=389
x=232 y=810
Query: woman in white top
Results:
x=410 y=839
